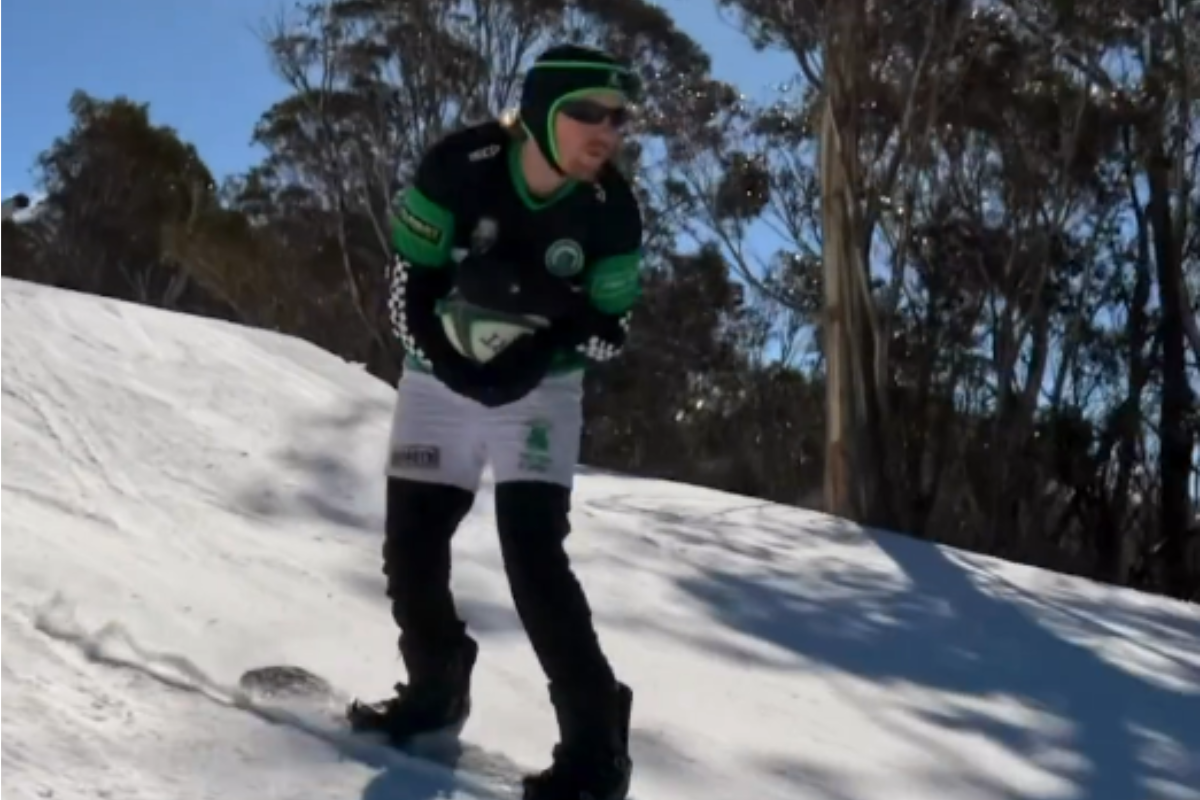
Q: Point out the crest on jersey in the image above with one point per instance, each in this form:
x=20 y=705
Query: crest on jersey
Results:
x=564 y=258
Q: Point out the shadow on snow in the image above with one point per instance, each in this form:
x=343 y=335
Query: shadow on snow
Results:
x=944 y=621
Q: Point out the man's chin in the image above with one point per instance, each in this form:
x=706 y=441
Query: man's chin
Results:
x=586 y=169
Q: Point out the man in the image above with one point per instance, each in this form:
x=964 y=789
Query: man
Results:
x=530 y=218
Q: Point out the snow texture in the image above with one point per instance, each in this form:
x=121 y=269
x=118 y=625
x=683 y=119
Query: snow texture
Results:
x=186 y=499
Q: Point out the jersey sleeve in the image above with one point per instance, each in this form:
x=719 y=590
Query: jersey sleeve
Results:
x=422 y=237
x=423 y=212
x=613 y=283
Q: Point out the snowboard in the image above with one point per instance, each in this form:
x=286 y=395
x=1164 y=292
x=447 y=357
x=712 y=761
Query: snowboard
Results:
x=295 y=696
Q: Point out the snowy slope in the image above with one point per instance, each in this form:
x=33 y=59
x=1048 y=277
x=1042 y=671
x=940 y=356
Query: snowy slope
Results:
x=190 y=499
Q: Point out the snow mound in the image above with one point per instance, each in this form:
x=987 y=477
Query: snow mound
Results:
x=186 y=499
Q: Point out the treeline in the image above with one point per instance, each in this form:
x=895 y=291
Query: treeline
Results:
x=975 y=223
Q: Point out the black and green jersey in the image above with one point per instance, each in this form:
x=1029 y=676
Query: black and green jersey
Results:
x=469 y=194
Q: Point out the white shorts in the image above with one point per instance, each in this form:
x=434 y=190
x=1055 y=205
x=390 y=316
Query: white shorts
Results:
x=439 y=436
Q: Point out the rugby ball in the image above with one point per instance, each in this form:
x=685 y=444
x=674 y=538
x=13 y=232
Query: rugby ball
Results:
x=481 y=334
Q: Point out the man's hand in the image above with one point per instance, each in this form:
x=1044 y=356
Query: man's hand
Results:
x=501 y=286
x=459 y=375
x=516 y=371
x=507 y=378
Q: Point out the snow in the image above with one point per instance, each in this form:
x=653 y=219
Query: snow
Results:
x=186 y=499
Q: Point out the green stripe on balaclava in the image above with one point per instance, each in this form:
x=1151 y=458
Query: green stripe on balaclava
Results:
x=559 y=74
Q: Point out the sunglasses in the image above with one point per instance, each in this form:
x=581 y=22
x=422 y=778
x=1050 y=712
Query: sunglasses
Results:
x=590 y=112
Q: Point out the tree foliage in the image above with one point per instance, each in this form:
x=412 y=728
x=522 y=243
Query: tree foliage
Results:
x=944 y=281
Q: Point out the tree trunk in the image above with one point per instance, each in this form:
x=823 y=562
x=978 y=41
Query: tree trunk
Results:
x=854 y=461
x=1175 y=439
x=1165 y=157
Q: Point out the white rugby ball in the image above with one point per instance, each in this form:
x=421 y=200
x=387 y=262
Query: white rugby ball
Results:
x=481 y=334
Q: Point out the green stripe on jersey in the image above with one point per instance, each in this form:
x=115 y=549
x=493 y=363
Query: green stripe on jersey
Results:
x=613 y=283
x=422 y=230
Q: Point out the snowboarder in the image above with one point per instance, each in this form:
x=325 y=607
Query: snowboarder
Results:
x=529 y=216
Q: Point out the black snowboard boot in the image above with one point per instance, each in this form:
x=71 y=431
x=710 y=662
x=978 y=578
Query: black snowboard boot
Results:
x=591 y=760
x=436 y=700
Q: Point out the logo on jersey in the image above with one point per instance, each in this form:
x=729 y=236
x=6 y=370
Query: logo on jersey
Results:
x=484 y=235
x=564 y=258
x=491 y=151
x=421 y=227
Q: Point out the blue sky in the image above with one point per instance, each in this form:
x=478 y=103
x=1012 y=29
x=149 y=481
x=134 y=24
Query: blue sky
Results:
x=205 y=73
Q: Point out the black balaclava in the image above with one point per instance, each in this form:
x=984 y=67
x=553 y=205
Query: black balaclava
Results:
x=559 y=74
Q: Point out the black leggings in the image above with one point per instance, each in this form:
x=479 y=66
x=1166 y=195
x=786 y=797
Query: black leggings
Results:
x=532 y=519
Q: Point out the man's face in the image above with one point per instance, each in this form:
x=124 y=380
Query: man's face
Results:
x=588 y=132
